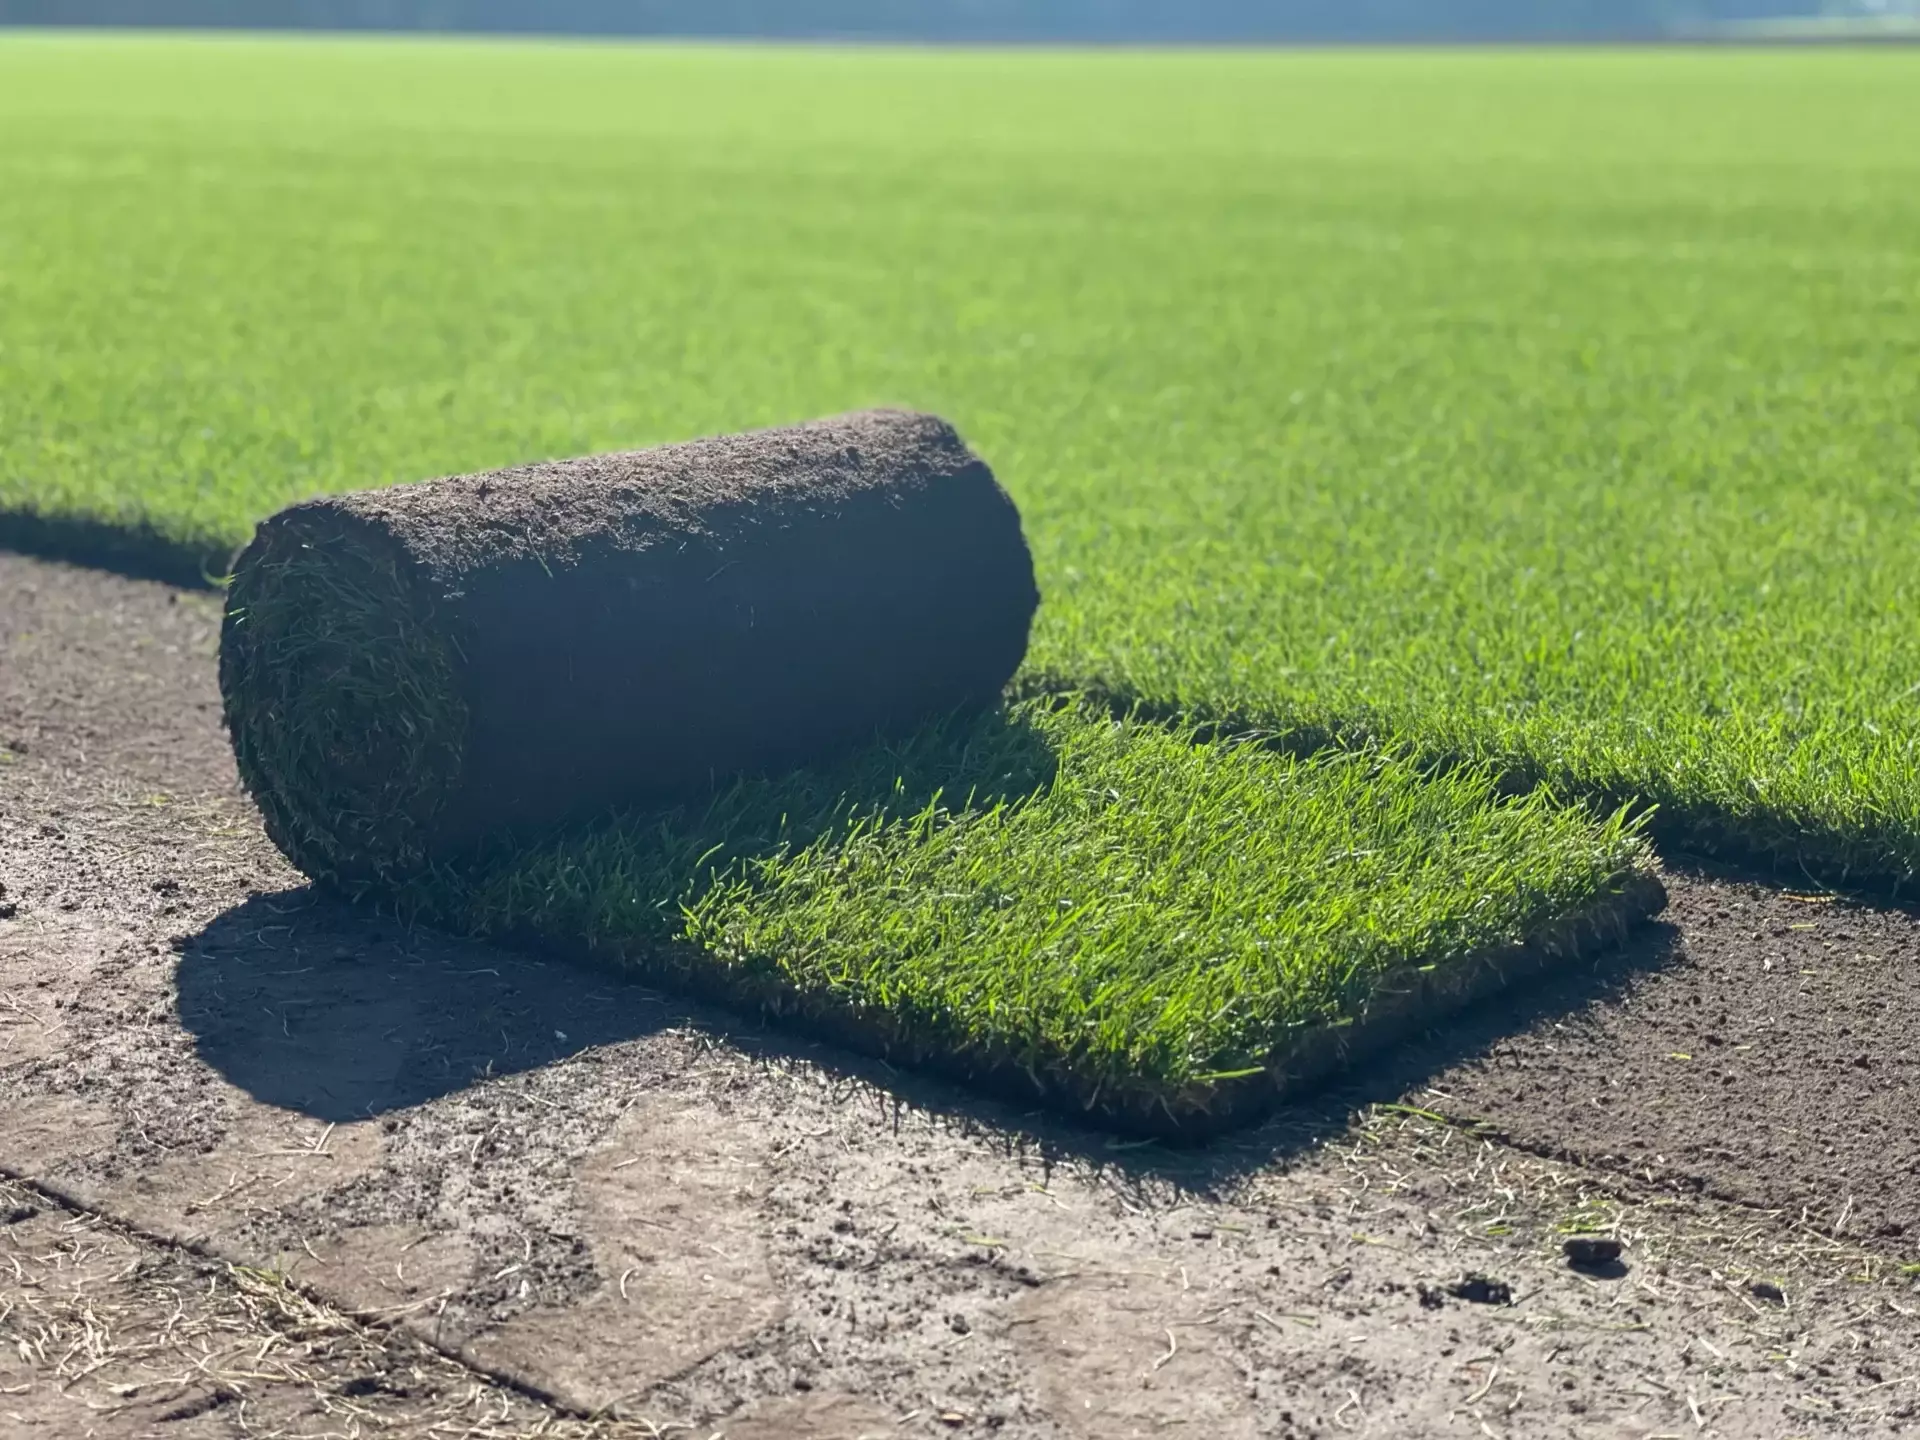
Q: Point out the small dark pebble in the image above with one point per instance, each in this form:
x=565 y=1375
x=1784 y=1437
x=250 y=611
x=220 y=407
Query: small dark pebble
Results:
x=1768 y=1291
x=8 y=910
x=1589 y=1252
x=1481 y=1290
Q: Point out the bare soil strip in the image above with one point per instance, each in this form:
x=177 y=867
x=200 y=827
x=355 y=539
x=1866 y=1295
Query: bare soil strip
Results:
x=1772 y=1062
x=455 y=1187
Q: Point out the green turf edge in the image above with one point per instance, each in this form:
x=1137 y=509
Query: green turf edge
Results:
x=1775 y=844
x=1402 y=1007
x=1772 y=842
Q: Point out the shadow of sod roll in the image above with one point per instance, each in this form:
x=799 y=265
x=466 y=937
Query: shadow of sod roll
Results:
x=408 y=671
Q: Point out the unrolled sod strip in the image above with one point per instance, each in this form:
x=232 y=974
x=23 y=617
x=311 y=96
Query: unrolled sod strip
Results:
x=407 y=671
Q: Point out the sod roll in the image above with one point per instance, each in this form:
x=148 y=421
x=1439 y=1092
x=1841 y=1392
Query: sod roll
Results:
x=409 y=671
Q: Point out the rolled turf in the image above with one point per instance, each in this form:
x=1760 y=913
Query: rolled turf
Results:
x=1155 y=927
x=410 y=670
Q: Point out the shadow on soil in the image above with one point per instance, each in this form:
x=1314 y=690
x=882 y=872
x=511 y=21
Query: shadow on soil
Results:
x=135 y=551
x=311 y=1003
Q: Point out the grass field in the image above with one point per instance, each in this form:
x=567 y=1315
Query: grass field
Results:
x=1555 y=412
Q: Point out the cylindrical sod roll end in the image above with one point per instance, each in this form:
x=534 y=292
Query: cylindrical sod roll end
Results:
x=343 y=698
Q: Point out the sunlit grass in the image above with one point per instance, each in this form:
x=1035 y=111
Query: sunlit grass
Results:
x=1556 y=408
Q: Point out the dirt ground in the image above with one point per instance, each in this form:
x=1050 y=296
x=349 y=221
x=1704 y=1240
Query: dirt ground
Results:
x=276 y=1167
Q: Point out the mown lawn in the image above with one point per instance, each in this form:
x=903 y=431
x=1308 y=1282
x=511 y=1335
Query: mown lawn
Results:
x=1554 y=412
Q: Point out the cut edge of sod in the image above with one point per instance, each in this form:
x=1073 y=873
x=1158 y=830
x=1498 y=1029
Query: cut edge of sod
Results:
x=342 y=700
x=1406 y=1005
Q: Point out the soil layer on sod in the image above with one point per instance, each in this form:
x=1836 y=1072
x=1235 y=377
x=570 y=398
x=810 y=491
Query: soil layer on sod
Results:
x=407 y=671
